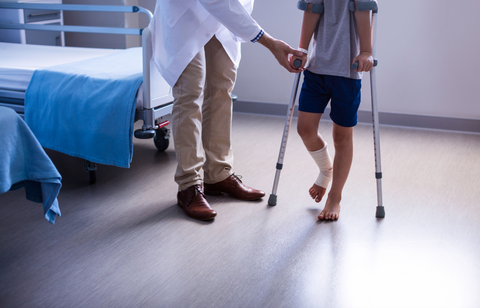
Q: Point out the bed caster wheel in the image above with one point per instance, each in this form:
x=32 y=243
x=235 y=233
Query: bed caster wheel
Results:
x=92 y=171
x=161 y=139
x=144 y=134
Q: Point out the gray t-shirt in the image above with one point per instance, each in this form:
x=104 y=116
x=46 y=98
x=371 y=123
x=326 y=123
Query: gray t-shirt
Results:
x=335 y=41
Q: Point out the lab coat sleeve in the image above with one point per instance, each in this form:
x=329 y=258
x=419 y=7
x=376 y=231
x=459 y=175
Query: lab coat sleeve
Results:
x=233 y=15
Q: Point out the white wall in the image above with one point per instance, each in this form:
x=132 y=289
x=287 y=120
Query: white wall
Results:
x=428 y=52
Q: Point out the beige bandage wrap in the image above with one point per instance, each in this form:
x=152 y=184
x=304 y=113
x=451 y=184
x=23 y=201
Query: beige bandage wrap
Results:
x=324 y=163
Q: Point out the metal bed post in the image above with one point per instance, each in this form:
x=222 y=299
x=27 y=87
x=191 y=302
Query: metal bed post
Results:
x=147 y=130
x=150 y=128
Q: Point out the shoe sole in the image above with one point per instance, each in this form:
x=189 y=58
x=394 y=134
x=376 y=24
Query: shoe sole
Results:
x=202 y=219
x=219 y=193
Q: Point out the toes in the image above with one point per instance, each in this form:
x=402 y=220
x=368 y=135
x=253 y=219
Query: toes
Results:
x=327 y=216
x=315 y=194
x=333 y=216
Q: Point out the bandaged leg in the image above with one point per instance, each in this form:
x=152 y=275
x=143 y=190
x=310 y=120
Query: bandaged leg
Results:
x=324 y=163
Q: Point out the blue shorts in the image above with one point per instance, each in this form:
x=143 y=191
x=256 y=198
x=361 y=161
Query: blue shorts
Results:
x=344 y=93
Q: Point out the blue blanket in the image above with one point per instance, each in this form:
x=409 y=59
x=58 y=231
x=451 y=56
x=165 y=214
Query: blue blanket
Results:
x=86 y=109
x=24 y=163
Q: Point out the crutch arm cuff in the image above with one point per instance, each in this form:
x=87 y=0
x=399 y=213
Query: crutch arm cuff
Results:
x=316 y=8
x=302 y=5
x=363 y=6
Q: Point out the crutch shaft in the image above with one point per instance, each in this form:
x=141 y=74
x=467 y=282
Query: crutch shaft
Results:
x=288 y=121
x=376 y=137
x=380 y=213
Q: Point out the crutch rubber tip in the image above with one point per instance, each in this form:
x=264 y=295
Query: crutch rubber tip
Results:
x=380 y=212
x=272 y=200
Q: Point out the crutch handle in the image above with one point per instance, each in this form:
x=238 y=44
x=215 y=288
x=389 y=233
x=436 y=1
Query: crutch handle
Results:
x=355 y=65
x=297 y=63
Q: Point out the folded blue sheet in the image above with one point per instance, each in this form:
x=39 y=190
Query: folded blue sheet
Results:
x=86 y=109
x=24 y=163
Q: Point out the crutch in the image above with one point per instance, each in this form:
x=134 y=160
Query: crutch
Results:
x=272 y=200
x=373 y=6
x=380 y=213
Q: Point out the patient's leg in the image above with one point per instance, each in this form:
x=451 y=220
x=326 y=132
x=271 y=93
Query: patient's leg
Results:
x=307 y=128
x=324 y=163
x=343 y=141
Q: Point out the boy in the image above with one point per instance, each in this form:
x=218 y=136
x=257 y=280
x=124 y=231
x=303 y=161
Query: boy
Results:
x=341 y=38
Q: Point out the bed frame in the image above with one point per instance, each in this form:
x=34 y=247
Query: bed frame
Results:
x=157 y=101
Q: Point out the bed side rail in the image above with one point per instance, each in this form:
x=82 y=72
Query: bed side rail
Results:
x=75 y=7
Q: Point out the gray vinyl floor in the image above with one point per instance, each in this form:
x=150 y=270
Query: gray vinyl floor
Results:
x=124 y=242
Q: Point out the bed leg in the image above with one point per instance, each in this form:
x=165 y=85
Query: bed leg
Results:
x=91 y=169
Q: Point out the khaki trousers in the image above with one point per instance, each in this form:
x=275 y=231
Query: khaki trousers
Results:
x=202 y=117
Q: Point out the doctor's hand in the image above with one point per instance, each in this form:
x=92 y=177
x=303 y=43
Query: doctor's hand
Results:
x=281 y=52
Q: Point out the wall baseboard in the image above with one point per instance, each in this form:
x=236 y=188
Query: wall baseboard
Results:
x=406 y=120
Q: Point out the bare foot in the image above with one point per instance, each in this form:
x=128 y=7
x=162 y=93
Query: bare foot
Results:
x=317 y=192
x=331 y=211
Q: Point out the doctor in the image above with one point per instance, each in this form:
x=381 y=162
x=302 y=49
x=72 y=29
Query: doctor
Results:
x=196 y=45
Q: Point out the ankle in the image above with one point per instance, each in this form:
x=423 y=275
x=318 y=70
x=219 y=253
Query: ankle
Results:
x=335 y=197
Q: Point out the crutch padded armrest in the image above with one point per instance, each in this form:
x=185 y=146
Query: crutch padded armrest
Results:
x=316 y=8
x=363 y=6
x=302 y=5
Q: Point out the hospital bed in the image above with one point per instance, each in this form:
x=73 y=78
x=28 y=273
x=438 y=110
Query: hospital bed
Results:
x=18 y=62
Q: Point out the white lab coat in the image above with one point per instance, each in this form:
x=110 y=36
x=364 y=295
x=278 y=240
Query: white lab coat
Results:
x=180 y=28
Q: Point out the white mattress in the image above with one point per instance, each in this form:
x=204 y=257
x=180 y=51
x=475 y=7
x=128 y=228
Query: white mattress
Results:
x=19 y=61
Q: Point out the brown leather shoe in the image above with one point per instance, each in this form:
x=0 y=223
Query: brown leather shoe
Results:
x=192 y=201
x=235 y=188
